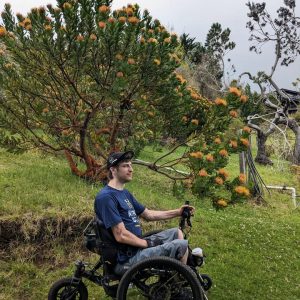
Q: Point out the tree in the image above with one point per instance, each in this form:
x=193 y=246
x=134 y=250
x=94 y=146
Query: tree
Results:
x=208 y=60
x=84 y=80
x=283 y=31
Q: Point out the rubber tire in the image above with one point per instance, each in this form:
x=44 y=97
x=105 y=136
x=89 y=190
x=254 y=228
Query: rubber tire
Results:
x=64 y=282
x=207 y=282
x=159 y=261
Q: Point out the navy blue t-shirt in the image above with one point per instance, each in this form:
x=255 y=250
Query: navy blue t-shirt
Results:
x=113 y=206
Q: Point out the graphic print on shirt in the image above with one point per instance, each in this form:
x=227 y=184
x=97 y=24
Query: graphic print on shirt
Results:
x=131 y=213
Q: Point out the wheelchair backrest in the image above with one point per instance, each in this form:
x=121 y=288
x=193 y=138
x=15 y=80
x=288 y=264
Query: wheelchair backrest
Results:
x=100 y=240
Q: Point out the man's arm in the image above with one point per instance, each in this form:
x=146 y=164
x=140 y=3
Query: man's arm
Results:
x=157 y=215
x=122 y=235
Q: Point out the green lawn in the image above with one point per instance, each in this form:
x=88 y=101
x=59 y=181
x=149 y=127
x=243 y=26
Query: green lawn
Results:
x=253 y=252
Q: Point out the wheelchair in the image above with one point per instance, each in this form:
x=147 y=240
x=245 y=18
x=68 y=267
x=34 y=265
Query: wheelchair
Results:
x=159 y=278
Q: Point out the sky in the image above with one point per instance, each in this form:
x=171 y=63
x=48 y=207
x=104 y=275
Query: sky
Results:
x=195 y=17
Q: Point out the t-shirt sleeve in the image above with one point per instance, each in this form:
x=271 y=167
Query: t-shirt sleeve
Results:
x=138 y=207
x=107 y=210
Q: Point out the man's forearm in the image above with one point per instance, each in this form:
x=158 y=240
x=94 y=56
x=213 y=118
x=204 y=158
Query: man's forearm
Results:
x=157 y=215
x=126 y=237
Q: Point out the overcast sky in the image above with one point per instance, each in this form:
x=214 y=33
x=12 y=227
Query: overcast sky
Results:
x=195 y=18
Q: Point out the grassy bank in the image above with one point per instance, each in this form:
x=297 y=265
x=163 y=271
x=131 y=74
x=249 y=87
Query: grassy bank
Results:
x=253 y=252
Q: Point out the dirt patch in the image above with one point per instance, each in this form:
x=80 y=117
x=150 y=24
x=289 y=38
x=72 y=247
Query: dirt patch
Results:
x=29 y=237
x=46 y=238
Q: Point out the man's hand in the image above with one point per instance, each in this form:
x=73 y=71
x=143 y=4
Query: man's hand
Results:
x=153 y=243
x=191 y=208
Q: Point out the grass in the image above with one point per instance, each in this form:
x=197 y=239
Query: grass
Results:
x=253 y=252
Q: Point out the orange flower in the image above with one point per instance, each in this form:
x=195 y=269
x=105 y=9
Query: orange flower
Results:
x=120 y=74
x=152 y=40
x=219 y=180
x=156 y=61
x=209 y=157
x=167 y=40
x=184 y=119
x=46 y=110
x=102 y=25
x=103 y=9
x=218 y=140
x=111 y=20
x=242 y=190
x=244 y=98
x=233 y=144
x=233 y=113
x=222 y=203
x=27 y=21
x=122 y=20
x=242 y=178
x=119 y=57
x=247 y=129
x=8 y=66
x=129 y=11
x=202 y=173
x=220 y=101
x=235 y=91
x=79 y=38
x=197 y=154
x=48 y=27
x=133 y=20
x=180 y=78
x=67 y=5
x=195 y=122
x=245 y=142
x=223 y=153
x=131 y=61
x=195 y=96
x=93 y=37
x=223 y=173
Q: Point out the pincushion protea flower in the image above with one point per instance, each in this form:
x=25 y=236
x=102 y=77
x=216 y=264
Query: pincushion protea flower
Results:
x=202 y=173
x=221 y=102
x=235 y=91
x=103 y=9
x=223 y=173
x=223 y=153
x=209 y=157
x=197 y=154
x=242 y=190
x=222 y=203
x=242 y=178
x=219 y=180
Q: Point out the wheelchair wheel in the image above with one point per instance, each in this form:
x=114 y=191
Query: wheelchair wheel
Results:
x=65 y=288
x=206 y=282
x=159 y=278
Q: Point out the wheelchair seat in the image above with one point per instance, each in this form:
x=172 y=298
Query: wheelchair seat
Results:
x=101 y=240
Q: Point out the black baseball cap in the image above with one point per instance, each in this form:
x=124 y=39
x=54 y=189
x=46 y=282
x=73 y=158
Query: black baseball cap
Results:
x=116 y=157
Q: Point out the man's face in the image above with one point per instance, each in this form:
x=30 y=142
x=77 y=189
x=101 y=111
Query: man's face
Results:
x=123 y=172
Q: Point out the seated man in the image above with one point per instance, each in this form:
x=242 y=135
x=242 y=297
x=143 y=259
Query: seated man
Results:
x=120 y=211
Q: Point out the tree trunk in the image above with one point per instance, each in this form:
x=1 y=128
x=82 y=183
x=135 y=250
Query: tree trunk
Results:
x=293 y=125
x=261 y=156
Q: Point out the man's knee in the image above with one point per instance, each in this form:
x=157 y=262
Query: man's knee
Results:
x=180 y=234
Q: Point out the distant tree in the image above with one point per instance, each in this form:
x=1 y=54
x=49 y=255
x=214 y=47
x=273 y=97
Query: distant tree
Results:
x=284 y=32
x=208 y=60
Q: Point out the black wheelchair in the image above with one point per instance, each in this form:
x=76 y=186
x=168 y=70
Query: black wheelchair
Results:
x=159 y=278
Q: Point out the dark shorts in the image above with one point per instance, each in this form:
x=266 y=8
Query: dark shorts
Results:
x=171 y=247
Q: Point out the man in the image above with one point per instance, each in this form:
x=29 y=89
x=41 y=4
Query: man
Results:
x=119 y=211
